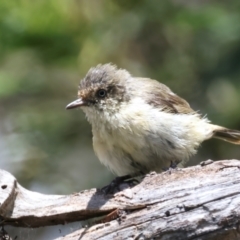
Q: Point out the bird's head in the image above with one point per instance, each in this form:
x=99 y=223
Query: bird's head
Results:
x=102 y=91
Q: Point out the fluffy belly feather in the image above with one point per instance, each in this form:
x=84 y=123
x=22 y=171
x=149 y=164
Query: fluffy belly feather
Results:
x=130 y=145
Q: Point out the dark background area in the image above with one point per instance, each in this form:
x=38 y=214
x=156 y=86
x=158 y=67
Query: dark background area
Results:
x=47 y=46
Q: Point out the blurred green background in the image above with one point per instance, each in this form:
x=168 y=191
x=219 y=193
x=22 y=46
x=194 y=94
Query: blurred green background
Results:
x=47 y=46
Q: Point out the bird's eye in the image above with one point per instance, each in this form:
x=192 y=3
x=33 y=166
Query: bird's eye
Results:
x=101 y=93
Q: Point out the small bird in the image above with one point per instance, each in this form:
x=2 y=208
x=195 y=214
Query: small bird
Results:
x=139 y=125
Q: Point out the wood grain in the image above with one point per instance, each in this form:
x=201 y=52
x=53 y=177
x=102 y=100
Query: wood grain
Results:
x=200 y=202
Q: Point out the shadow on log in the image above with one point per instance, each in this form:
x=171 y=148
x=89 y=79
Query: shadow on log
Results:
x=200 y=202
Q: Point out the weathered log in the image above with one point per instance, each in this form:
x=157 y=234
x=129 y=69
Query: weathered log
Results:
x=200 y=202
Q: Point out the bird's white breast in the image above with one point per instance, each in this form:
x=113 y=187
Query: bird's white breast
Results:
x=146 y=135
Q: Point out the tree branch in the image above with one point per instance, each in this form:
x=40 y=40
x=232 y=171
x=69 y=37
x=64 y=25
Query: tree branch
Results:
x=200 y=202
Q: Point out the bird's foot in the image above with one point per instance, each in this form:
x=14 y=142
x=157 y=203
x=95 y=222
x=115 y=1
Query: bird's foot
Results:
x=173 y=167
x=118 y=184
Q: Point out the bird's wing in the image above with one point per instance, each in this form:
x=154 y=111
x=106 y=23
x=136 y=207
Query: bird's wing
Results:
x=161 y=96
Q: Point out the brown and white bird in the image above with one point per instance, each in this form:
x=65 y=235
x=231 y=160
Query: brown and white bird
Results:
x=138 y=124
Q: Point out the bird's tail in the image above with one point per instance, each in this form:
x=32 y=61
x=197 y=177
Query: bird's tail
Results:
x=229 y=135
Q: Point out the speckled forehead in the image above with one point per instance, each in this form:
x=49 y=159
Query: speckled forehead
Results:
x=86 y=91
x=83 y=93
x=88 y=88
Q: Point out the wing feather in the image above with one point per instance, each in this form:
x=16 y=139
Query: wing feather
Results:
x=161 y=96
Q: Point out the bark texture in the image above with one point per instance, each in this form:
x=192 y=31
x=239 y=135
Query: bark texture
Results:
x=200 y=202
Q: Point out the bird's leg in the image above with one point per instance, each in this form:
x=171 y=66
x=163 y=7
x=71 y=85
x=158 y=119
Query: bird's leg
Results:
x=114 y=186
x=173 y=165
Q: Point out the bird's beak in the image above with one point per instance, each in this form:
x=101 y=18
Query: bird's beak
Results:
x=75 y=104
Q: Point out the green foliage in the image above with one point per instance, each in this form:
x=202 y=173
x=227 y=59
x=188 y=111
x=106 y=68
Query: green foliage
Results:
x=46 y=46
